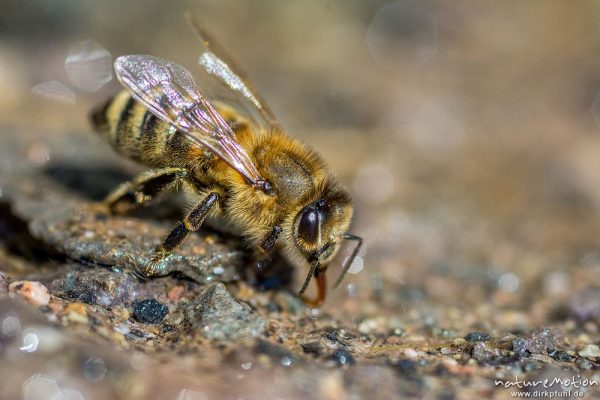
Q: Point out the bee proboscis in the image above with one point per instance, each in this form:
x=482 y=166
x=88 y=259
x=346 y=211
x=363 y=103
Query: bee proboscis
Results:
x=242 y=171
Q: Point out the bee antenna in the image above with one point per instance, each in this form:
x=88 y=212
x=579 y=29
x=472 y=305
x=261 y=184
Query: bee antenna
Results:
x=311 y=272
x=349 y=260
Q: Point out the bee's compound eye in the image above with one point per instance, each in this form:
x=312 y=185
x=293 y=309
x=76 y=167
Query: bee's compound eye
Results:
x=308 y=227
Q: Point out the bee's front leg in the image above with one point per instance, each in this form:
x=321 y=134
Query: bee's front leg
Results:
x=131 y=195
x=192 y=222
x=263 y=255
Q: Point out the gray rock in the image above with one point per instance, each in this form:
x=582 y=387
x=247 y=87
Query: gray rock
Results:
x=219 y=316
x=97 y=286
x=538 y=341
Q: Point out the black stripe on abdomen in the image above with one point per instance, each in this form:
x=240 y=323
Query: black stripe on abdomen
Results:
x=123 y=119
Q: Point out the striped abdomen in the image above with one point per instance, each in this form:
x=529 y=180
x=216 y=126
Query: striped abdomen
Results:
x=137 y=134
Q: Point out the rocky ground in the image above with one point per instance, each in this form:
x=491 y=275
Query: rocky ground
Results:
x=75 y=319
x=468 y=142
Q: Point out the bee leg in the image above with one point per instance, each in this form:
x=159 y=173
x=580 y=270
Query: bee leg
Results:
x=131 y=195
x=262 y=256
x=269 y=241
x=191 y=222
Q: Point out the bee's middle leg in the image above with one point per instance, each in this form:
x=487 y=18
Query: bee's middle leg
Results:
x=133 y=194
x=191 y=222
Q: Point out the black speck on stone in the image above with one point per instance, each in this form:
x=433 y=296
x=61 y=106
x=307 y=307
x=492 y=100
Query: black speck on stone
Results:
x=311 y=348
x=561 y=356
x=85 y=296
x=149 y=311
x=342 y=357
x=477 y=337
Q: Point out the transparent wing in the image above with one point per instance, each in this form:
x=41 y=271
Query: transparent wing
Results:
x=169 y=92
x=216 y=62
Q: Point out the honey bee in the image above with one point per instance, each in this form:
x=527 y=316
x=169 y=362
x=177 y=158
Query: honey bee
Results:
x=241 y=172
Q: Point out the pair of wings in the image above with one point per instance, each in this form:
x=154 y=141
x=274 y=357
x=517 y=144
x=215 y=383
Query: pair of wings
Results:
x=169 y=92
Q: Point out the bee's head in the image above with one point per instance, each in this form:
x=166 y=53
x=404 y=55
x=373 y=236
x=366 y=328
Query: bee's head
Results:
x=318 y=229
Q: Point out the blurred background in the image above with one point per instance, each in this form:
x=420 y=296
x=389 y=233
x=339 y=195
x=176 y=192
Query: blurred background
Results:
x=468 y=133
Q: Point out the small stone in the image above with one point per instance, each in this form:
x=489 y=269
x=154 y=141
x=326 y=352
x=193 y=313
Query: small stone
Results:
x=149 y=311
x=562 y=356
x=175 y=293
x=519 y=346
x=105 y=288
x=538 y=341
x=585 y=364
x=482 y=352
x=411 y=353
x=220 y=316
x=477 y=337
x=590 y=350
x=32 y=292
x=541 y=340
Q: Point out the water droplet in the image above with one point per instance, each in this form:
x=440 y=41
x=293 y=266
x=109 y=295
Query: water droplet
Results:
x=55 y=91
x=40 y=387
x=94 y=369
x=286 y=361
x=137 y=361
x=509 y=282
x=357 y=265
x=88 y=66
x=187 y=394
x=403 y=32
x=218 y=270
x=30 y=342
x=247 y=365
x=67 y=394
x=11 y=326
x=352 y=289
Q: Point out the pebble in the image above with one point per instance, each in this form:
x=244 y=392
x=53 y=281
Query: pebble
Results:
x=175 y=293
x=562 y=356
x=538 y=341
x=590 y=350
x=411 y=353
x=585 y=364
x=149 y=311
x=219 y=316
x=477 y=337
x=32 y=292
x=482 y=352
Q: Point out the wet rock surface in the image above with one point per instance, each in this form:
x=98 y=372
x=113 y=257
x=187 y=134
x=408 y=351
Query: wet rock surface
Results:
x=476 y=189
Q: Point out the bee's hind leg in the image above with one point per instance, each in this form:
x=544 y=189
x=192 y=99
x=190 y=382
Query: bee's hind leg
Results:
x=131 y=195
x=192 y=222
